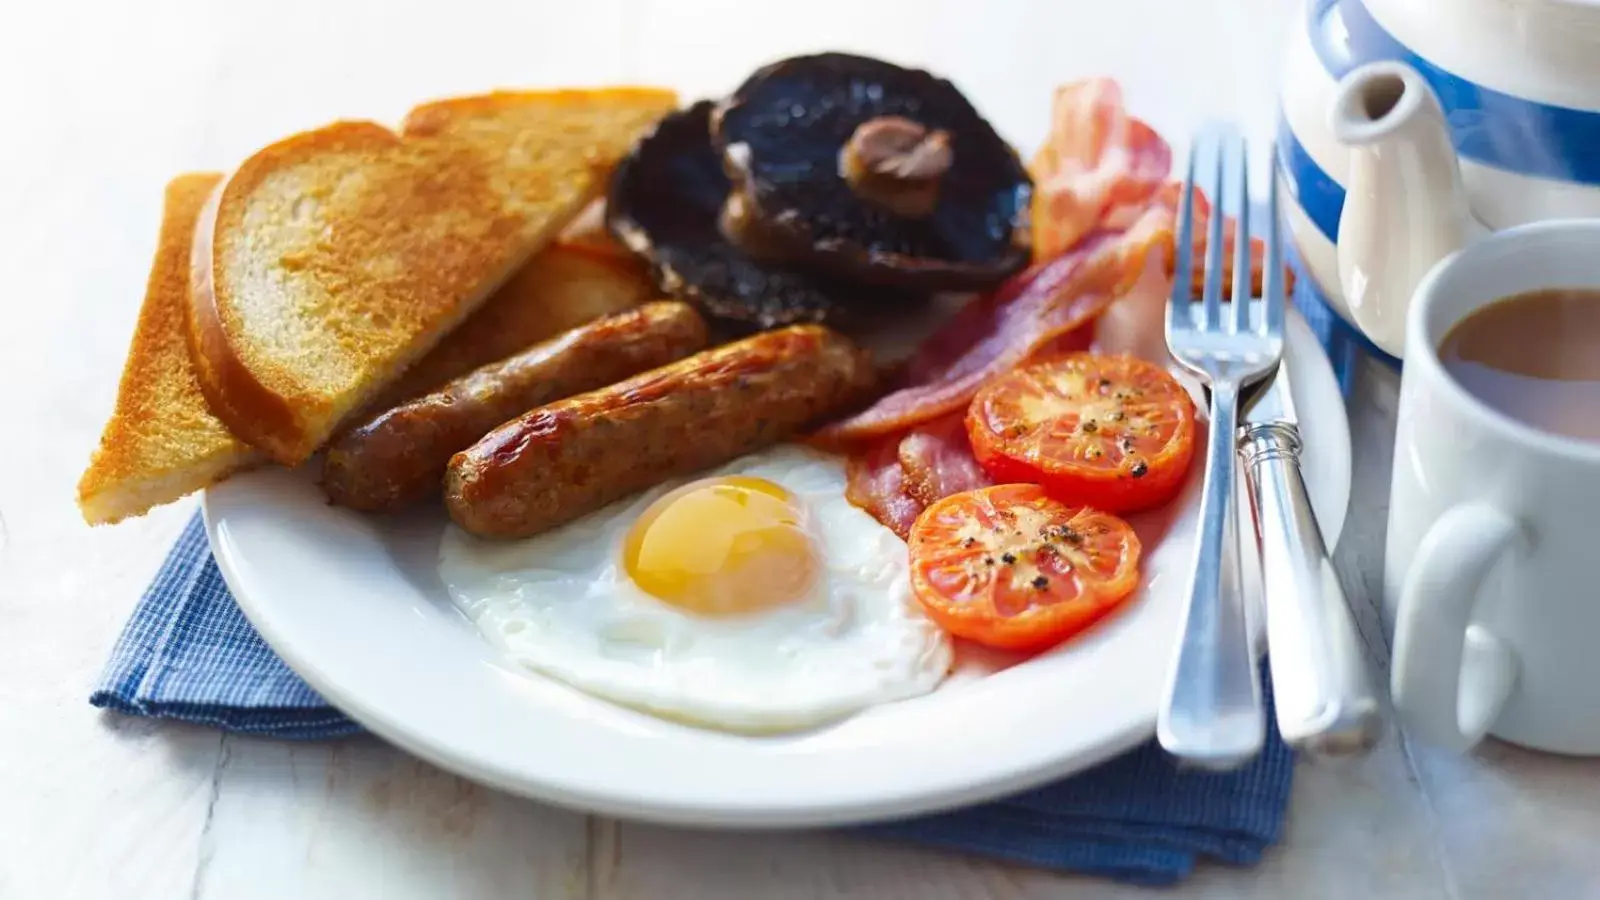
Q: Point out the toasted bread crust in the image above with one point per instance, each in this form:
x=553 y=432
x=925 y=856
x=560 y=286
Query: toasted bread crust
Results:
x=266 y=418
x=231 y=390
x=435 y=116
x=161 y=441
x=443 y=216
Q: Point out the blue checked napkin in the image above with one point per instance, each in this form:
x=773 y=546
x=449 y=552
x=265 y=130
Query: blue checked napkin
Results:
x=188 y=653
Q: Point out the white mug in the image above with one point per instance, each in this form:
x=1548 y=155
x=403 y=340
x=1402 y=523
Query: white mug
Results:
x=1492 y=576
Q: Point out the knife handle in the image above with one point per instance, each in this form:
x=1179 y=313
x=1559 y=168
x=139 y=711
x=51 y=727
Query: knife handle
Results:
x=1325 y=701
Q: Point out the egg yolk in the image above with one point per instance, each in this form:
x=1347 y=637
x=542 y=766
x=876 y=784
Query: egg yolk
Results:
x=722 y=546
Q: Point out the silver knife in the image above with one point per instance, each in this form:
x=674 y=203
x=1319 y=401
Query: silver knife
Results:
x=1326 y=705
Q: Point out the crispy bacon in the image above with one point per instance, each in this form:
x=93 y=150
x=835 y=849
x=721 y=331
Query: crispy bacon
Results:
x=936 y=461
x=876 y=483
x=897 y=476
x=1044 y=306
x=1168 y=199
x=1098 y=167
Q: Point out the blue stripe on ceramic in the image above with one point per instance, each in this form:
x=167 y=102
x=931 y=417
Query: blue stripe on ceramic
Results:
x=1312 y=189
x=1315 y=191
x=1486 y=126
x=1343 y=342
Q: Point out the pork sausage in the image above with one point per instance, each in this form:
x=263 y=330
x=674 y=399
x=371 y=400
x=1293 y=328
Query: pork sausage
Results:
x=571 y=457
x=400 y=455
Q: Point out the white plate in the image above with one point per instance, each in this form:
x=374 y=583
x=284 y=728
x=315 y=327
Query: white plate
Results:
x=354 y=605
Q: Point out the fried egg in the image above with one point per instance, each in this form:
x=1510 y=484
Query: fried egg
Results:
x=750 y=598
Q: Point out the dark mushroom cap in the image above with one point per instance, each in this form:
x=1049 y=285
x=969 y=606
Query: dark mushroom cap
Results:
x=664 y=202
x=781 y=134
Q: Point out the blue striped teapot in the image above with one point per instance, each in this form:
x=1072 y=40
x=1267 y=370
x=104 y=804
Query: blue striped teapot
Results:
x=1410 y=127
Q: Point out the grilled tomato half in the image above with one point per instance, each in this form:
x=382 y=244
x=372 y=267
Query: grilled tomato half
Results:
x=1114 y=433
x=1009 y=566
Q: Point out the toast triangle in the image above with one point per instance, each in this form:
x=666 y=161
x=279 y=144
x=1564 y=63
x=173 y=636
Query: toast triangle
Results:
x=162 y=441
x=331 y=261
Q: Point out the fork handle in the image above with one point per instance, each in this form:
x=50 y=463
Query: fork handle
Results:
x=1326 y=705
x=1212 y=715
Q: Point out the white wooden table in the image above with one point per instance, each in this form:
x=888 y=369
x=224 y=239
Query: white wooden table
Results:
x=100 y=104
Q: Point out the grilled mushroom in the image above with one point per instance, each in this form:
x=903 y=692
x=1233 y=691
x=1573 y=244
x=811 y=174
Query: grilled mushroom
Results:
x=665 y=202
x=873 y=172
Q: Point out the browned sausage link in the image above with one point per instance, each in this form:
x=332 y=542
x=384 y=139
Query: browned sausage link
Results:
x=574 y=456
x=400 y=455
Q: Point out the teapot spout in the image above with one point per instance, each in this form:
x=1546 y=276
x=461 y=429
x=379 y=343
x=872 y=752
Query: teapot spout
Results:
x=1405 y=206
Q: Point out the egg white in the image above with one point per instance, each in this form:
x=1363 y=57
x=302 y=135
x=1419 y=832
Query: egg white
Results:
x=561 y=604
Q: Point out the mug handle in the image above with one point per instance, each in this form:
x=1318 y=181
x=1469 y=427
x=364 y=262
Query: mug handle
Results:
x=1451 y=678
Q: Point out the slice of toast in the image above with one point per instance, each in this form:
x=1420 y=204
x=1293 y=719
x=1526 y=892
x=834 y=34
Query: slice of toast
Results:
x=163 y=442
x=330 y=262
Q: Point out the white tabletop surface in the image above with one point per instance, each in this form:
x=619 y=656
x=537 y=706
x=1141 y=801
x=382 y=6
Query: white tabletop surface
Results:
x=100 y=104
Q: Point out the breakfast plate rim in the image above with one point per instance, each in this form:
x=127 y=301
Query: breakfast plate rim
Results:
x=1027 y=767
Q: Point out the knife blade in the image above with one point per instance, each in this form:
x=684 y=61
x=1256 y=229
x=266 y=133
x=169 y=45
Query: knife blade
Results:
x=1326 y=705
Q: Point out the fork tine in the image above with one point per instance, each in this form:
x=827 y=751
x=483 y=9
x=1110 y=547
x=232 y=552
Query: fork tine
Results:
x=1179 y=312
x=1241 y=243
x=1272 y=287
x=1211 y=313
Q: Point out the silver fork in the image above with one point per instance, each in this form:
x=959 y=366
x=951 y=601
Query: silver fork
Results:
x=1212 y=714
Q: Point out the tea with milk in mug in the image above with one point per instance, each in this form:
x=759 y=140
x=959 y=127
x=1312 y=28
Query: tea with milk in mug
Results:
x=1534 y=356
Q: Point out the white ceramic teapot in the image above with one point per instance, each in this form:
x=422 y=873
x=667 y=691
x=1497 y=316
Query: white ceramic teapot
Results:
x=1409 y=127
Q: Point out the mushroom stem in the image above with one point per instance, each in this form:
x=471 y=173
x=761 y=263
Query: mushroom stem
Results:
x=745 y=230
x=896 y=163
